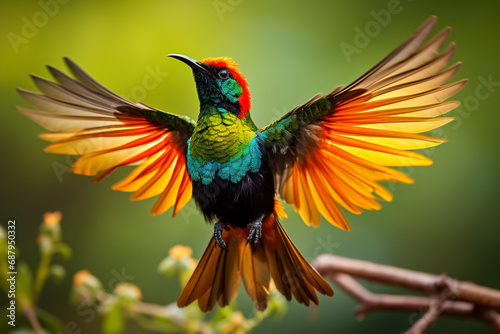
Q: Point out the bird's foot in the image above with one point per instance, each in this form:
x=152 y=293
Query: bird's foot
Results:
x=218 y=233
x=255 y=230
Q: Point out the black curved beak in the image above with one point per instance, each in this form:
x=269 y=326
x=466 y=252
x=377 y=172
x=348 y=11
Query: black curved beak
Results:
x=194 y=64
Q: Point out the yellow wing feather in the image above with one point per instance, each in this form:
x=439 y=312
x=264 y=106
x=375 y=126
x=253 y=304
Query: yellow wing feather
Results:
x=374 y=124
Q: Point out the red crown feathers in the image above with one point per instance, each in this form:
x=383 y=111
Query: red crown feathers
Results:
x=244 y=99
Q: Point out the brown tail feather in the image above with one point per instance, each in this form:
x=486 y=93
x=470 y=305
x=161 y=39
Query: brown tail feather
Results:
x=217 y=276
x=219 y=273
x=291 y=272
x=256 y=275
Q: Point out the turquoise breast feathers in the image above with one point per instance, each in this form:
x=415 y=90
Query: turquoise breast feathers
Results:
x=249 y=159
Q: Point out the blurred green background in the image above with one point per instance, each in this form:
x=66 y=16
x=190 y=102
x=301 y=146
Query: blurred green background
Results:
x=288 y=50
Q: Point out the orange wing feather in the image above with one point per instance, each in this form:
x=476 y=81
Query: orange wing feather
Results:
x=372 y=125
x=108 y=132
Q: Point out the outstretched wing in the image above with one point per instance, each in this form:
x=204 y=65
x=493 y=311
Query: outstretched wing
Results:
x=107 y=131
x=336 y=148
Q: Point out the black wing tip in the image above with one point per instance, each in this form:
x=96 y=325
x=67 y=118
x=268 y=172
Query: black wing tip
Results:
x=36 y=78
x=73 y=67
x=54 y=71
x=51 y=68
x=68 y=60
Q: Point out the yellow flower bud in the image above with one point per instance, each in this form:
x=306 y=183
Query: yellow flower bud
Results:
x=128 y=290
x=85 y=278
x=45 y=243
x=51 y=219
x=178 y=252
x=235 y=323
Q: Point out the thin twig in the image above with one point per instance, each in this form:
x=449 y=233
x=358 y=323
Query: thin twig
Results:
x=448 y=296
x=429 y=318
x=442 y=293
x=466 y=291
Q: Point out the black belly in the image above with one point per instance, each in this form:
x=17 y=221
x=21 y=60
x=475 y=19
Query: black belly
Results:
x=237 y=204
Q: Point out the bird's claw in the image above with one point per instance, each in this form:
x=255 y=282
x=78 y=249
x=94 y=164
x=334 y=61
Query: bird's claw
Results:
x=218 y=234
x=255 y=233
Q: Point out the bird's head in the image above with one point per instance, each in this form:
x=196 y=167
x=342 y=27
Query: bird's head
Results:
x=219 y=83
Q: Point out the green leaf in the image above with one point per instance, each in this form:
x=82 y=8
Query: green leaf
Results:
x=113 y=322
x=24 y=284
x=4 y=325
x=64 y=250
x=223 y=313
x=51 y=323
x=23 y=331
x=277 y=306
x=3 y=242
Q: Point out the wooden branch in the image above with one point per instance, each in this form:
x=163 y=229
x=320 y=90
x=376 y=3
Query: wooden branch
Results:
x=430 y=317
x=448 y=296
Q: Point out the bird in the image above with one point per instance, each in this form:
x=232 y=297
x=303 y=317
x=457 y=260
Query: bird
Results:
x=329 y=153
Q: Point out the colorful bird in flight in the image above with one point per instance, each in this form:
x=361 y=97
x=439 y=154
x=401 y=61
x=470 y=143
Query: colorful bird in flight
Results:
x=330 y=152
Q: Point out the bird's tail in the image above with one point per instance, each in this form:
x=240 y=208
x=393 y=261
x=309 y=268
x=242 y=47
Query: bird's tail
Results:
x=219 y=273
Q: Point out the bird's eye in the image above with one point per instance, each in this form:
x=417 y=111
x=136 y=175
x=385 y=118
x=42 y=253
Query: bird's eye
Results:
x=224 y=74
